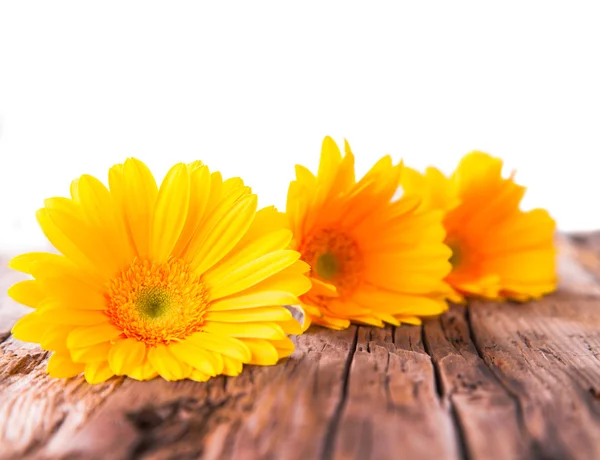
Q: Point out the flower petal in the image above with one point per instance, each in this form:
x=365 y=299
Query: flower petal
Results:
x=168 y=366
x=263 y=352
x=28 y=292
x=225 y=234
x=249 y=314
x=86 y=336
x=170 y=212
x=140 y=190
x=91 y=354
x=249 y=330
x=126 y=355
x=223 y=344
x=62 y=367
x=259 y=299
x=205 y=361
x=251 y=273
x=97 y=372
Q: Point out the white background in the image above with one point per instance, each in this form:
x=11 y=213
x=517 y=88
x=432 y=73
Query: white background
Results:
x=252 y=87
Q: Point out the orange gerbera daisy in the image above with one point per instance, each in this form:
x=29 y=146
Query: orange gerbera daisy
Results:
x=374 y=259
x=185 y=280
x=498 y=250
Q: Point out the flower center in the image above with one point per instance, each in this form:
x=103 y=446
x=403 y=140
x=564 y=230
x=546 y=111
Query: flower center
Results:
x=334 y=257
x=455 y=258
x=157 y=303
x=327 y=265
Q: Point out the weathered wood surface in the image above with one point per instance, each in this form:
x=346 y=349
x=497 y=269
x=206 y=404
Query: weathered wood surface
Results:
x=491 y=381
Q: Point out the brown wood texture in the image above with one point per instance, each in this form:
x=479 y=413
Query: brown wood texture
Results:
x=487 y=381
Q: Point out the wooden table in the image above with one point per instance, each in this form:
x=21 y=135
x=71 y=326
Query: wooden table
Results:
x=491 y=381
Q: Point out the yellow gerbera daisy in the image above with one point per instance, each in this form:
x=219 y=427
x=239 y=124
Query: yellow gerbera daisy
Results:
x=373 y=259
x=499 y=251
x=183 y=281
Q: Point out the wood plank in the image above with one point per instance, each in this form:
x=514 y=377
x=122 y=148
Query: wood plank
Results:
x=492 y=381
x=546 y=354
x=391 y=397
x=486 y=415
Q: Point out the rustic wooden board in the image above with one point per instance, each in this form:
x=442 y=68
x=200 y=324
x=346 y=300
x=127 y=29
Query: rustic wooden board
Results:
x=491 y=381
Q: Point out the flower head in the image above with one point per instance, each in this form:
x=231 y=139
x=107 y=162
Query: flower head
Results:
x=185 y=280
x=498 y=251
x=374 y=259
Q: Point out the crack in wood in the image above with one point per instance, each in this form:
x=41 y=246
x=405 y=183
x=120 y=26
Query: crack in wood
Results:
x=493 y=369
x=334 y=423
x=439 y=385
x=444 y=396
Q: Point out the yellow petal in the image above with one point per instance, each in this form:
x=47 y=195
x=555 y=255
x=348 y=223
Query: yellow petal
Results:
x=168 y=366
x=27 y=262
x=102 y=215
x=331 y=322
x=199 y=197
x=73 y=294
x=225 y=234
x=291 y=326
x=221 y=205
x=144 y=371
x=60 y=366
x=251 y=330
x=42 y=265
x=290 y=279
x=64 y=316
x=368 y=320
x=97 y=372
x=116 y=184
x=414 y=320
x=225 y=345
x=311 y=310
x=55 y=338
x=126 y=355
x=231 y=366
x=267 y=220
x=396 y=304
x=86 y=336
x=90 y=242
x=251 y=273
x=91 y=354
x=198 y=376
x=320 y=288
x=385 y=317
x=29 y=328
x=263 y=352
x=205 y=361
x=259 y=299
x=249 y=314
x=141 y=191
x=27 y=292
x=307 y=323
x=284 y=347
x=252 y=250
x=64 y=244
x=170 y=212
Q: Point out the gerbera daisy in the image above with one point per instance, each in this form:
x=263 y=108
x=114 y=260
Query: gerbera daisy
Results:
x=183 y=281
x=374 y=259
x=498 y=250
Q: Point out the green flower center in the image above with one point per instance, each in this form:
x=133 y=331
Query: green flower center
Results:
x=455 y=258
x=327 y=266
x=153 y=302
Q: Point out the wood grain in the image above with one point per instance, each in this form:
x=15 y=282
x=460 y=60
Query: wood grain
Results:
x=488 y=381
